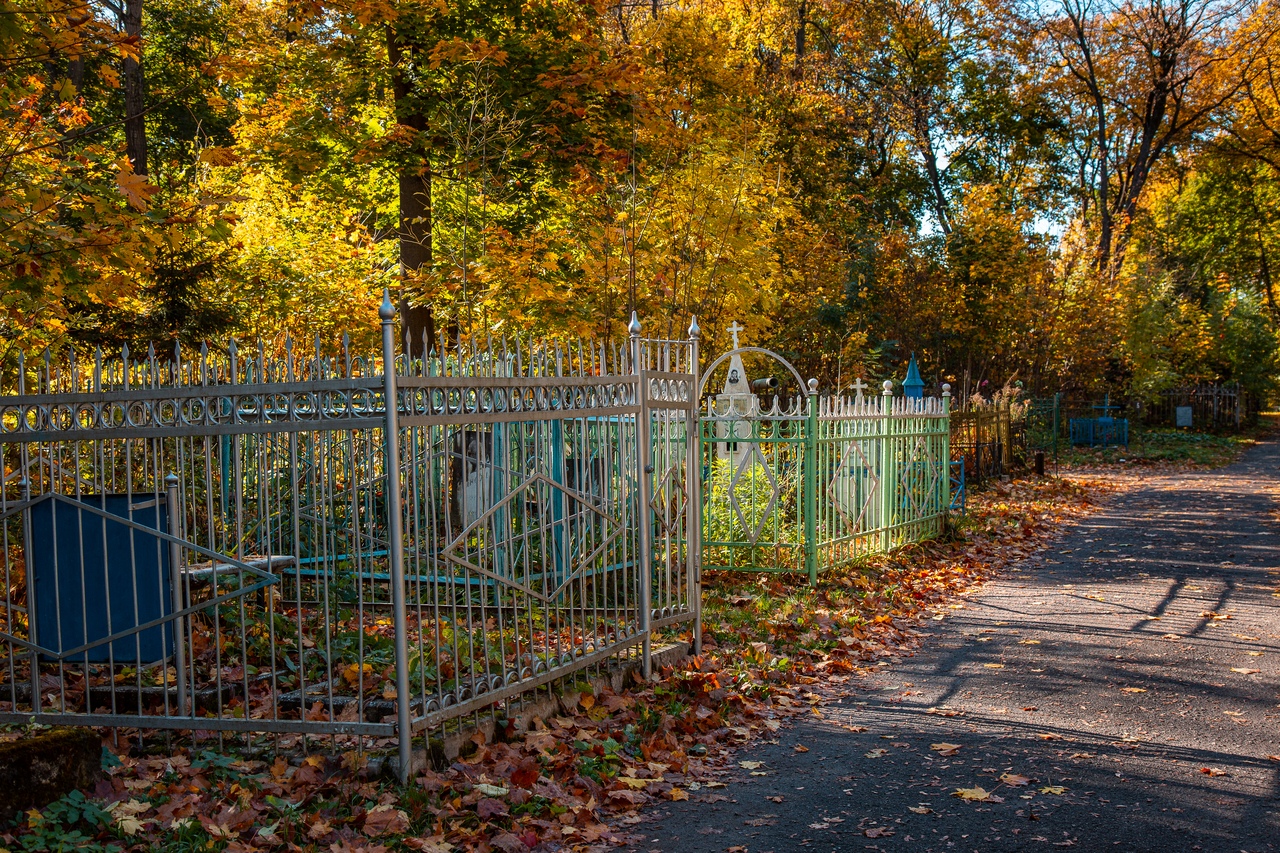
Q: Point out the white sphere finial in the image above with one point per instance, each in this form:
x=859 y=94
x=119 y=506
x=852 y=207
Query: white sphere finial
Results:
x=888 y=387
x=946 y=389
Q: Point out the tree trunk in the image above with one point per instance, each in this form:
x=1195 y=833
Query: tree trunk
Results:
x=414 y=234
x=416 y=252
x=941 y=208
x=801 y=15
x=135 y=126
x=1264 y=277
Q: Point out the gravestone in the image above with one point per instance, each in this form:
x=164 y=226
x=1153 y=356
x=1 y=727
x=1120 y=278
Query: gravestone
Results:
x=737 y=400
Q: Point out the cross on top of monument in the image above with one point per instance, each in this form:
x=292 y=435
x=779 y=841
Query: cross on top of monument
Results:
x=859 y=386
x=734 y=328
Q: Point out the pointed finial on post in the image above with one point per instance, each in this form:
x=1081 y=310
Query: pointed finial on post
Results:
x=913 y=385
x=634 y=328
x=695 y=331
x=386 y=311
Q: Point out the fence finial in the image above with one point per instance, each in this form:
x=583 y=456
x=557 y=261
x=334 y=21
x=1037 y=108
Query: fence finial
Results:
x=695 y=331
x=634 y=327
x=386 y=311
x=946 y=389
x=813 y=386
x=888 y=387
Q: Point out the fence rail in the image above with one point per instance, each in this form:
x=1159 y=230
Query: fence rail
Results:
x=245 y=543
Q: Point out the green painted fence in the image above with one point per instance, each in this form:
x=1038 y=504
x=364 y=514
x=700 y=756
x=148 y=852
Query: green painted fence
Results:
x=819 y=482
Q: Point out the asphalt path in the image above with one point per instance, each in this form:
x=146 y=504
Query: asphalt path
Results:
x=1130 y=674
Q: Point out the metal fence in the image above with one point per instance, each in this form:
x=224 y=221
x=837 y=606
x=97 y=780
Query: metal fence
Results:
x=987 y=440
x=242 y=542
x=816 y=482
x=1202 y=407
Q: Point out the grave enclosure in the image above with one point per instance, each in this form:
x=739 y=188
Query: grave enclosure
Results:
x=367 y=548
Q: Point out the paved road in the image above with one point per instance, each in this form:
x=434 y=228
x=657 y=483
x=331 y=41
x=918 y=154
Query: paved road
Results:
x=1103 y=666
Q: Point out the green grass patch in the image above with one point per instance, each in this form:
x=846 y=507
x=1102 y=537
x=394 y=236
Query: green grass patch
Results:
x=1152 y=446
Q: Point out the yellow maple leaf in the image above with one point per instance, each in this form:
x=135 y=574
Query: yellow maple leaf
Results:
x=972 y=794
x=133 y=187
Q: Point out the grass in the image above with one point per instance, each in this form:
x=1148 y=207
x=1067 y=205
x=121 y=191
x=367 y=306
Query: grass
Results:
x=1170 y=446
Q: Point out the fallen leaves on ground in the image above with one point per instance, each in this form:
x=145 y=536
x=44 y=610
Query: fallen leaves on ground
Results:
x=945 y=748
x=769 y=643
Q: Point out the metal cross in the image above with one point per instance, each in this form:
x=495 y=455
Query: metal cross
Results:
x=859 y=386
x=733 y=330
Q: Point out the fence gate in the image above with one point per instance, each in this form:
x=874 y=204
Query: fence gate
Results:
x=805 y=482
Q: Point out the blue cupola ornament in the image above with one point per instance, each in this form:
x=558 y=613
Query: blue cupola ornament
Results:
x=913 y=385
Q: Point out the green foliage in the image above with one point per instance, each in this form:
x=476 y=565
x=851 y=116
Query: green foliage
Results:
x=854 y=183
x=1148 y=446
x=753 y=508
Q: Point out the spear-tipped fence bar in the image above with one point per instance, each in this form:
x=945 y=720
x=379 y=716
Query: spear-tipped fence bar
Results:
x=324 y=563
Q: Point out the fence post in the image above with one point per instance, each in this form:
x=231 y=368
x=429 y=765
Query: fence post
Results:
x=693 y=475
x=175 y=592
x=1004 y=423
x=644 y=470
x=888 y=481
x=809 y=482
x=946 y=451
x=395 y=536
x=32 y=615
